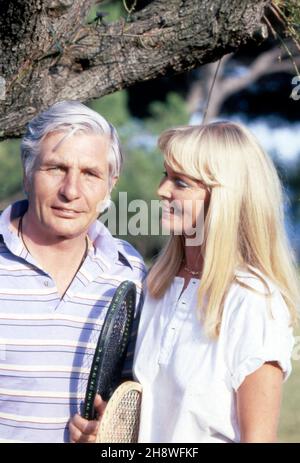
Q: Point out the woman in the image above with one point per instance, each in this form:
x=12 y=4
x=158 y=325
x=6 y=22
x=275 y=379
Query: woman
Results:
x=215 y=336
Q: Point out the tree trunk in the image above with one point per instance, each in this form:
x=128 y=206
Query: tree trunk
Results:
x=50 y=53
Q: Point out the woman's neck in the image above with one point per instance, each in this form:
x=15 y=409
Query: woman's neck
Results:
x=193 y=259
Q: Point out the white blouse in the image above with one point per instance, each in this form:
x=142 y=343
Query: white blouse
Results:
x=189 y=381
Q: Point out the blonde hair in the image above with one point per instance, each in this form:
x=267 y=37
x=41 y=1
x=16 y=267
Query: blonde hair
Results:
x=244 y=222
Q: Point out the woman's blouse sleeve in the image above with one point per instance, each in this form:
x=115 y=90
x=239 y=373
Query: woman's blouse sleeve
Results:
x=258 y=332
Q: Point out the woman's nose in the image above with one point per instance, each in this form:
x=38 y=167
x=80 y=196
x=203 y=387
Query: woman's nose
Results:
x=165 y=189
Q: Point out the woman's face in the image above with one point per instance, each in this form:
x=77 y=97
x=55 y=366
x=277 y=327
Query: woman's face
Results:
x=185 y=202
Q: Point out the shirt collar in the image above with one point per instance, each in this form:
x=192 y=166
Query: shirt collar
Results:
x=10 y=238
x=106 y=247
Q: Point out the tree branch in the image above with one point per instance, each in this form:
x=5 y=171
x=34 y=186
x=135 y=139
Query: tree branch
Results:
x=269 y=62
x=58 y=56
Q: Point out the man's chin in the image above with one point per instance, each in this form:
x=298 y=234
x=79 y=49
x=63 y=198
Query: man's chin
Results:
x=66 y=230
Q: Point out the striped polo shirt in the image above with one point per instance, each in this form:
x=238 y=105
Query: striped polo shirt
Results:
x=47 y=342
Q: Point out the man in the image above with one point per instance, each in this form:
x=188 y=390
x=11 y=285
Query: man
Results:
x=59 y=268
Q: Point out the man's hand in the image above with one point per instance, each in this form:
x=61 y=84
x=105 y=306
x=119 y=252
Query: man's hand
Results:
x=85 y=431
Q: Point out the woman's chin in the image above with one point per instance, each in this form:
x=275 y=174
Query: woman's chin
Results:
x=169 y=226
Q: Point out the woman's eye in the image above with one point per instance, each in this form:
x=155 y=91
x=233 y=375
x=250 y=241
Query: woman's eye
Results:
x=177 y=181
x=181 y=183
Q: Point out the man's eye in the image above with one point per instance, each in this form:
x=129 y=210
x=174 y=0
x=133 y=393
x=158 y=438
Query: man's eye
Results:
x=56 y=169
x=90 y=174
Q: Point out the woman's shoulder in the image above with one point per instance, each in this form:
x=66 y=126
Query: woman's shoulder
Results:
x=251 y=278
x=255 y=295
x=255 y=325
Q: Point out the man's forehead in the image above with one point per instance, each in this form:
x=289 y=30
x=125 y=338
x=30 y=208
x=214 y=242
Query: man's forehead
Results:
x=56 y=149
x=64 y=142
x=73 y=136
x=64 y=136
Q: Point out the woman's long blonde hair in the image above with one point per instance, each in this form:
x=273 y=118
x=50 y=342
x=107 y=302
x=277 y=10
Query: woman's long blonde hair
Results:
x=244 y=222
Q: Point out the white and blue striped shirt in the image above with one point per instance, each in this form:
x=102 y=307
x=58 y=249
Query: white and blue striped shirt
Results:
x=47 y=342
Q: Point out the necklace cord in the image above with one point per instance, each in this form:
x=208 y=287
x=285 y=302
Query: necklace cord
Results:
x=190 y=271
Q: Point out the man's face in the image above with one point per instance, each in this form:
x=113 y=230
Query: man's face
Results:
x=68 y=185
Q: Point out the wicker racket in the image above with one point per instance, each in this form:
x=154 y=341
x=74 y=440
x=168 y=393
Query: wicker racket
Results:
x=121 y=418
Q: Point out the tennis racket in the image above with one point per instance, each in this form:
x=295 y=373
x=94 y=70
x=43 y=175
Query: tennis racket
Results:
x=121 y=418
x=111 y=347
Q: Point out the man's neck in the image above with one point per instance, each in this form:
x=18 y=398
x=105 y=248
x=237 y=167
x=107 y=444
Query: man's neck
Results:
x=50 y=251
x=61 y=258
x=40 y=237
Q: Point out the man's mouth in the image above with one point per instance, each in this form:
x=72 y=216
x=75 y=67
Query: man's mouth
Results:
x=63 y=211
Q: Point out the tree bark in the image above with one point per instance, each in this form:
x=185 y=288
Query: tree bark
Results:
x=50 y=53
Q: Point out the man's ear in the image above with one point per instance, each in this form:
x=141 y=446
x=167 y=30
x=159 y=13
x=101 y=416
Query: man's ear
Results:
x=25 y=184
x=114 y=181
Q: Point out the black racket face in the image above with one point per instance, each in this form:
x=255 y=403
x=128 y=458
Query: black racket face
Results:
x=111 y=346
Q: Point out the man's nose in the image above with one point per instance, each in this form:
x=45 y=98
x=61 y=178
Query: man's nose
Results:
x=70 y=187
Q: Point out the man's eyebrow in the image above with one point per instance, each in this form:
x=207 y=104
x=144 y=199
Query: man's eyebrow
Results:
x=95 y=169
x=53 y=162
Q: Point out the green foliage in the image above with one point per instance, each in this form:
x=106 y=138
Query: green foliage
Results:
x=139 y=180
x=115 y=9
x=11 y=168
x=170 y=113
x=113 y=107
x=140 y=175
x=289 y=426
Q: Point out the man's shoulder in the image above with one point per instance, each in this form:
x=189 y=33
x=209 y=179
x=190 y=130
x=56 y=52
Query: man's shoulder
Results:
x=114 y=247
x=128 y=249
